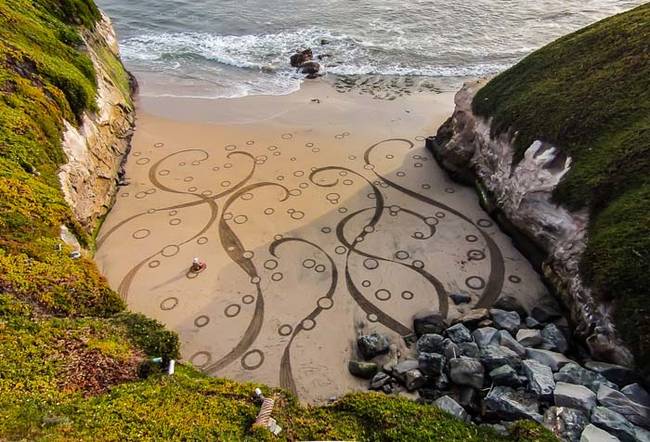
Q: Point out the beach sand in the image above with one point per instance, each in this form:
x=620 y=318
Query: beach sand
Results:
x=310 y=234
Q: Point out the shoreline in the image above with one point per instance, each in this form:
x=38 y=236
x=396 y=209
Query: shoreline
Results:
x=206 y=178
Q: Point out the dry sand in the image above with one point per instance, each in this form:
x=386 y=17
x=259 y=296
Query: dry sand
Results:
x=309 y=235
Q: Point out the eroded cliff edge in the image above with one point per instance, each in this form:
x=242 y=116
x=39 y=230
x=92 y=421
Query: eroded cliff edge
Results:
x=558 y=147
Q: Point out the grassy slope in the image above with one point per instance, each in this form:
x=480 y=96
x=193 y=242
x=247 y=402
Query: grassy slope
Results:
x=71 y=356
x=589 y=93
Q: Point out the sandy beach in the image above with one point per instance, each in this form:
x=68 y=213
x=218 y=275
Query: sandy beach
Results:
x=319 y=215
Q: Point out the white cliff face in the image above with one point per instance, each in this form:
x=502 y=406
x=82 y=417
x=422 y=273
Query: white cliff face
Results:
x=96 y=148
x=522 y=192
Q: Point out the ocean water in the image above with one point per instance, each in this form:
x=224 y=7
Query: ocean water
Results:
x=233 y=48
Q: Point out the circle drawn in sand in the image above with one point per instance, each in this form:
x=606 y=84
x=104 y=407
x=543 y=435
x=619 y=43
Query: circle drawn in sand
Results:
x=343 y=209
x=140 y=195
x=230 y=147
x=287 y=136
x=308 y=324
x=153 y=264
x=188 y=179
x=137 y=154
x=325 y=303
x=285 y=330
x=418 y=264
x=270 y=264
x=277 y=153
x=173 y=213
x=309 y=145
x=170 y=250
x=142 y=161
x=269 y=211
x=248 y=299
x=475 y=282
x=340 y=250
x=297 y=215
x=366 y=283
x=407 y=295
x=471 y=238
x=201 y=359
x=372 y=317
x=320 y=268
x=250 y=142
x=225 y=183
x=174 y=221
x=277 y=276
x=232 y=310
x=326 y=230
x=240 y=219
x=272 y=148
x=202 y=240
x=431 y=221
x=402 y=254
x=255 y=280
x=382 y=295
x=514 y=279
x=426 y=186
x=369 y=167
x=201 y=321
x=252 y=360
x=450 y=190
x=227 y=166
x=309 y=263
x=158 y=145
x=169 y=303
x=141 y=234
x=401 y=174
x=370 y=263
x=484 y=223
x=125 y=195
x=440 y=215
x=248 y=254
x=475 y=255
x=420 y=138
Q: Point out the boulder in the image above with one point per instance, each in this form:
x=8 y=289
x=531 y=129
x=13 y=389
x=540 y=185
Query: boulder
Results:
x=469 y=349
x=565 y=423
x=547 y=311
x=460 y=298
x=506 y=320
x=467 y=397
x=550 y=358
x=485 y=336
x=452 y=407
x=466 y=371
x=574 y=396
x=379 y=380
x=450 y=350
x=301 y=57
x=529 y=337
x=400 y=369
x=554 y=339
x=431 y=364
x=372 y=345
x=642 y=435
x=618 y=374
x=429 y=343
x=504 y=403
x=364 y=370
x=614 y=423
x=636 y=393
x=429 y=322
x=506 y=340
x=592 y=433
x=510 y=304
x=442 y=383
x=458 y=333
x=310 y=68
x=532 y=323
x=507 y=376
x=636 y=413
x=473 y=317
x=414 y=379
x=540 y=378
x=572 y=373
x=494 y=356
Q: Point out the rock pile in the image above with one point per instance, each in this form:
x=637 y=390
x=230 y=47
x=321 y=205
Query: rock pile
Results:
x=304 y=63
x=496 y=366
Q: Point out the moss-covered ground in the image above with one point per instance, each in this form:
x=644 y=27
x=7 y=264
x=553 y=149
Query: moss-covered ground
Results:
x=73 y=361
x=589 y=94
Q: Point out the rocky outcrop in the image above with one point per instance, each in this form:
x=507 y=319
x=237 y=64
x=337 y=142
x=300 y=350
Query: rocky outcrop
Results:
x=518 y=193
x=97 y=147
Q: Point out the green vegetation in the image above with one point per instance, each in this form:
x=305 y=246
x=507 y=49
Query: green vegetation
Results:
x=75 y=364
x=589 y=94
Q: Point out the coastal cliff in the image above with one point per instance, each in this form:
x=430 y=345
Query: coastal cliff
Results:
x=558 y=148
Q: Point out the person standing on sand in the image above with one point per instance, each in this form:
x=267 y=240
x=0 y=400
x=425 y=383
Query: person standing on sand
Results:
x=197 y=265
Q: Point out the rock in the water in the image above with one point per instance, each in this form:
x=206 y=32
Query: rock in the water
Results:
x=365 y=370
x=452 y=407
x=301 y=57
x=506 y=320
x=466 y=371
x=485 y=336
x=510 y=304
x=430 y=343
x=613 y=423
x=373 y=345
x=458 y=333
x=505 y=375
x=310 y=68
x=550 y=358
x=460 y=298
x=540 y=378
x=504 y=403
x=618 y=374
x=572 y=373
x=554 y=339
x=473 y=317
x=414 y=379
x=574 y=396
x=506 y=340
x=431 y=364
x=429 y=322
x=379 y=380
x=565 y=423
x=529 y=337
x=636 y=413
x=494 y=356
x=592 y=433
x=469 y=349
x=636 y=393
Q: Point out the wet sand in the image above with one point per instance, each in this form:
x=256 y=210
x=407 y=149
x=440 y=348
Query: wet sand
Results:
x=317 y=220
